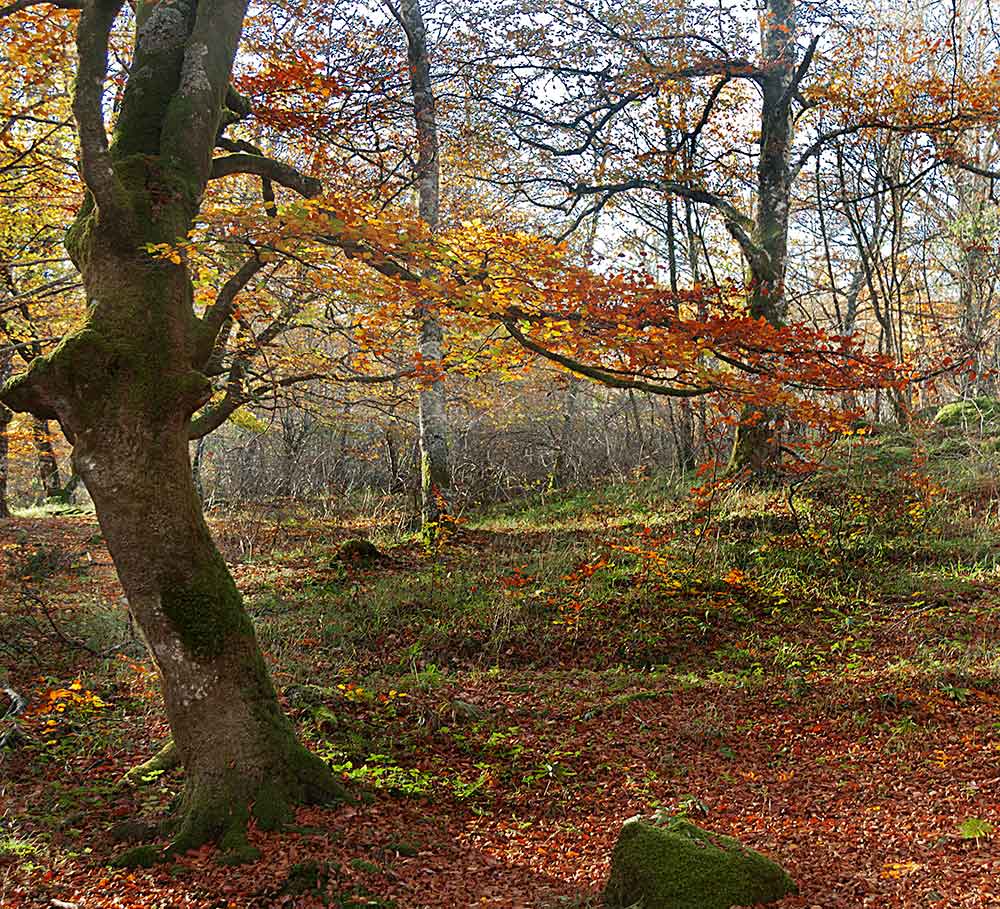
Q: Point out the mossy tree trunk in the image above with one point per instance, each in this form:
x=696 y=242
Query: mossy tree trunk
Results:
x=124 y=388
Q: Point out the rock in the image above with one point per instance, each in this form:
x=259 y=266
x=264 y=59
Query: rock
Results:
x=464 y=712
x=976 y=414
x=676 y=865
x=133 y=831
x=361 y=553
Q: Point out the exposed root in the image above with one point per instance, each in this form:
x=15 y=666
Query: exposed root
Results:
x=166 y=759
x=141 y=857
x=218 y=808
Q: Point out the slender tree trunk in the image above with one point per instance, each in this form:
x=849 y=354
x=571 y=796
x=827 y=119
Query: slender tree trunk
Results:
x=435 y=470
x=197 y=469
x=5 y=418
x=756 y=447
x=561 y=471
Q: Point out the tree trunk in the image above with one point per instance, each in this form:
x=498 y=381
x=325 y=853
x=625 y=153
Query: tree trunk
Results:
x=47 y=463
x=561 y=470
x=5 y=418
x=756 y=447
x=435 y=471
x=197 y=469
x=124 y=388
x=235 y=743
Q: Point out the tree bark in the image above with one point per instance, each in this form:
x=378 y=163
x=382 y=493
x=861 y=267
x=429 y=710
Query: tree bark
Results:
x=560 y=471
x=756 y=447
x=5 y=418
x=124 y=388
x=46 y=463
x=435 y=470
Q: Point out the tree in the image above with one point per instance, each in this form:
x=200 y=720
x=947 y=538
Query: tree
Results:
x=676 y=103
x=5 y=418
x=435 y=474
x=125 y=385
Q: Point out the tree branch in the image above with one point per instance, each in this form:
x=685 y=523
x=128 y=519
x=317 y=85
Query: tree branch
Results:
x=597 y=374
x=12 y=8
x=220 y=312
x=739 y=225
x=92 y=34
x=268 y=169
x=214 y=417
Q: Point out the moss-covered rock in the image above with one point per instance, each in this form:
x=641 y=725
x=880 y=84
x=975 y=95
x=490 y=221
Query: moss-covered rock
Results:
x=306 y=877
x=362 y=553
x=975 y=413
x=676 y=865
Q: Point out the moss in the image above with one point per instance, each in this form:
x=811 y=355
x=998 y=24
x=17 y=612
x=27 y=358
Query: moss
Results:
x=679 y=866
x=77 y=238
x=244 y=854
x=141 y=857
x=271 y=809
x=306 y=877
x=216 y=810
x=221 y=809
x=408 y=850
x=167 y=758
x=206 y=609
x=973 y=413
x=233 y=844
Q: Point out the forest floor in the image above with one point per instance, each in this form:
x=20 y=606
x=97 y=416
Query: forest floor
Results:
x=817 y=674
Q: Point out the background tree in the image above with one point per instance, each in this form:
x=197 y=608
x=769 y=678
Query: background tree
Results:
x=435 y=473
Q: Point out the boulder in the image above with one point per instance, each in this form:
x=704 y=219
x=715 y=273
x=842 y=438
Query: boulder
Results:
x=977 y=414
x=672 y=864
x=360 y=553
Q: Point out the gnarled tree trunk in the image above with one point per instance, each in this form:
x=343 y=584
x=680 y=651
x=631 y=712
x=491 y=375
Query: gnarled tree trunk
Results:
x=124 y=388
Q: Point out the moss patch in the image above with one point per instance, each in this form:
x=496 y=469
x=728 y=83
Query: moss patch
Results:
x=141 y=857
x=206 y=609
x=973 y=414
x=271 y=808
x=680 y=866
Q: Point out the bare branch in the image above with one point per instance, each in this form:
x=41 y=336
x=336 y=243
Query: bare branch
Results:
x=220 y=312
x=268 y=169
